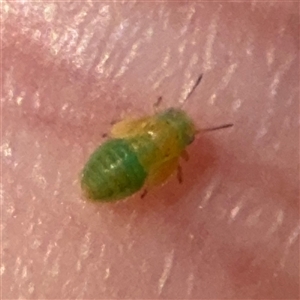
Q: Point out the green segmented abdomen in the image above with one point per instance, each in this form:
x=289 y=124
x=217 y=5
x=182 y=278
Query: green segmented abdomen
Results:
x=113 y=172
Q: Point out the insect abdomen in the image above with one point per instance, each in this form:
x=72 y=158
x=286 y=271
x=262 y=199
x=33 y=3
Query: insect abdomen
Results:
x=113 y=172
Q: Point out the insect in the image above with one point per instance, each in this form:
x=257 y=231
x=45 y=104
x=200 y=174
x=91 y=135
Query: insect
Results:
x=140 y=153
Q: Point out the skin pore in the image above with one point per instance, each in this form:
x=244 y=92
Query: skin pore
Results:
x=230 y=230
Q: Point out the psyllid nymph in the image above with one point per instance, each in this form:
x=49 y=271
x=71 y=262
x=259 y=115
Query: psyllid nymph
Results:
x=140 y=153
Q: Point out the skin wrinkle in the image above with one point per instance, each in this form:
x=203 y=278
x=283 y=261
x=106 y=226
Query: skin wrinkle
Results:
x=223 y=82
x=166 y=271
x=294 y=235
x=58 y=95
x=282 y=70
x=208 y=63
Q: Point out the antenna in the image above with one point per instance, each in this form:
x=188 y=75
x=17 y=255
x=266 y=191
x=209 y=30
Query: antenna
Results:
x=194 y=87
x=189 y=94
x=215 y=128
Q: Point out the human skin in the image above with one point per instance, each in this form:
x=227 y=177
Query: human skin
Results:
x=230 y=230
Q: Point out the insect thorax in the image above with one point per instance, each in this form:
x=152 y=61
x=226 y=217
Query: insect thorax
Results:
x=182 y=124
x=163 y=137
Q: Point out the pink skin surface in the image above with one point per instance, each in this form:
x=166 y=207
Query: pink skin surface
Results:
x=230 y=230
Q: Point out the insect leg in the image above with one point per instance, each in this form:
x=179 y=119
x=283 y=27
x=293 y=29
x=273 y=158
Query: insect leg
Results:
x=157 y=104
x=123 y=115
x=114 y=122
x=144 y=193
x=185 y=155
x=179 y=174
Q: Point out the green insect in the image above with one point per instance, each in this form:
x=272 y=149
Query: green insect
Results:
x=140 y=153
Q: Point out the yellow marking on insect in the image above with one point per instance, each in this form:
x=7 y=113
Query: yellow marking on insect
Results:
x=128 y=127
x=140 y=153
